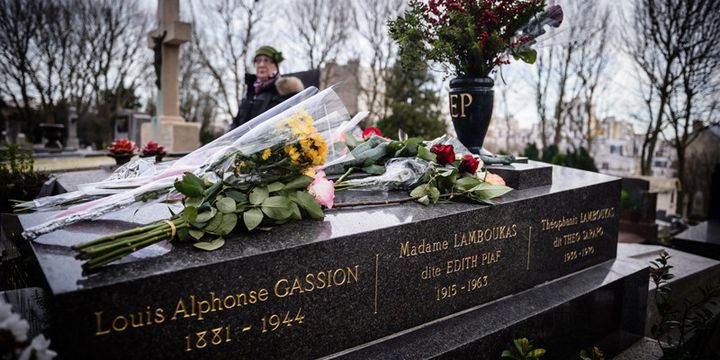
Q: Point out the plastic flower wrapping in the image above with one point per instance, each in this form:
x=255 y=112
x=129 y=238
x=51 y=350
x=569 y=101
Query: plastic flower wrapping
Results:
x=230 y=157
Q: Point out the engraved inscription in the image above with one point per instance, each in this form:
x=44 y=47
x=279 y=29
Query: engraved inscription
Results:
x=466 y=100
x=199 y=307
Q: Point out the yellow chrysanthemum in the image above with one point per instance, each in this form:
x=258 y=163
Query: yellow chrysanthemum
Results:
x=293 y=153
x=239 y=167
x=314 y=149
x=309 y=171
x=299 y=124
x=266 y=154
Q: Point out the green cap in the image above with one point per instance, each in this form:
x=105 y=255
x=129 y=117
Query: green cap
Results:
x=270 y=52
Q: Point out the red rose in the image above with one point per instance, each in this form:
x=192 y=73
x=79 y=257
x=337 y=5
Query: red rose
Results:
x=370 y=132
x=445 y=153
x=469 y=164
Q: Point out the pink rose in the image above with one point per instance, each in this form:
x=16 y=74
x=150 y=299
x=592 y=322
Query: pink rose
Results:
x=323 y=190
x=494 y=179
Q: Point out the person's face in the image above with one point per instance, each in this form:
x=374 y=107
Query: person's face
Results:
x=264 y=67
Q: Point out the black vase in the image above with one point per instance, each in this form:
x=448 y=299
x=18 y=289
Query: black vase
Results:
x=471 y=105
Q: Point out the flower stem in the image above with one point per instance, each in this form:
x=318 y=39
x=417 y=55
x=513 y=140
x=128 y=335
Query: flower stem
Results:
x=108 y=238
x=105 y=250
x=342 y=178
x=121 y=253
x=101 y=248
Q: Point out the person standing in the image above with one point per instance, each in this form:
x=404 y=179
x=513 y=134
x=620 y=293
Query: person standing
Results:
x=266 y=88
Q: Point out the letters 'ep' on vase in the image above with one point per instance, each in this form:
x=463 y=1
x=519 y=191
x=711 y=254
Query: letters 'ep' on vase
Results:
x=471 y=104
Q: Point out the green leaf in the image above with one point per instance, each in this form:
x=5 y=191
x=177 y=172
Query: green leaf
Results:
x=210 y=245
x=190 y=188
x=196 y=234
x=522 y=345
x=182 y=233
x=193 y=201
x=492 y=192
x=537 y=353
x=529 y=56
x=425 y=154
x=276 y=186
x=374 y=169
x=191 y=179
x=277 y=207
x=258 y=195
x=214 y=223
x=299 y=183
x=434 y=194
x=446 y=180
x=225 y=205
x=296 y=214
x=467 y=182
x=420 y=191
x=508 y=354
x=237 y=196
x=308 y=203
x=425 y=200
x=228 y=224
x=190 y=213
x=252 y=218
x=205 y=216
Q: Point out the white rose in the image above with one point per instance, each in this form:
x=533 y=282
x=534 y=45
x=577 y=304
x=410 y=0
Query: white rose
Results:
x=40 y=347
x=17 y=326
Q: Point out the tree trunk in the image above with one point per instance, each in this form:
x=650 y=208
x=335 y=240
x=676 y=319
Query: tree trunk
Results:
x=680 y=208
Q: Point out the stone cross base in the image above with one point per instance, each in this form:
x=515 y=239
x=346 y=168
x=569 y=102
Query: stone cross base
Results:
x=176 y=135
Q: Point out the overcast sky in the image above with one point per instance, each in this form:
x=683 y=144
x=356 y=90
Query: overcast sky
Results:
x=619 y=96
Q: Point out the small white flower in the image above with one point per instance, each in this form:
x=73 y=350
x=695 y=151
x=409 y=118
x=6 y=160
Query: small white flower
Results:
x=17 y=326
x=41 y=349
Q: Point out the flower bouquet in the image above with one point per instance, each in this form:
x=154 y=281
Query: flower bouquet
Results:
x=259 y=180
x=432 y=171
x=140 y=181
x=469 y=39
x=471 y=36
x=122 y=150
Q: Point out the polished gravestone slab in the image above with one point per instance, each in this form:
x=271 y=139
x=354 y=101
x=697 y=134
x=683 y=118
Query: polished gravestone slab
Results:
x=702 y=239
x=602 y=306
x=314 y=288
x=524 y=175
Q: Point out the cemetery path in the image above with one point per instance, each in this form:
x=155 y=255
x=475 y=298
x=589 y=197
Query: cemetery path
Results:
x=72 y=164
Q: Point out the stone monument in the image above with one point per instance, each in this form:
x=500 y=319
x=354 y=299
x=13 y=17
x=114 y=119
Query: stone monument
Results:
x=168 y=127
x=453 y=280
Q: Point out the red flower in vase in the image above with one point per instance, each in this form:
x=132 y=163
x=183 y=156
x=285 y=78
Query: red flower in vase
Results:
x=152 y=149
x=122 y=147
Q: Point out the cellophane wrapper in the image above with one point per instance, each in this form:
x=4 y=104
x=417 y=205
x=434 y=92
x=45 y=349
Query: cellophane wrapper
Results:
x=219 y=159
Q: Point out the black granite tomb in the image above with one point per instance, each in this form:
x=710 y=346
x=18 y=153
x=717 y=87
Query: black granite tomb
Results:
x=315 y=288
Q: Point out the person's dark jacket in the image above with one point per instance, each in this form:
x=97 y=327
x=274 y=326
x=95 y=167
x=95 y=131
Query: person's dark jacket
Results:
x=253 y=104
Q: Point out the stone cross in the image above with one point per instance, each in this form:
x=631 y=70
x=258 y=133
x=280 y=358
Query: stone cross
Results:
x=170 y=129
